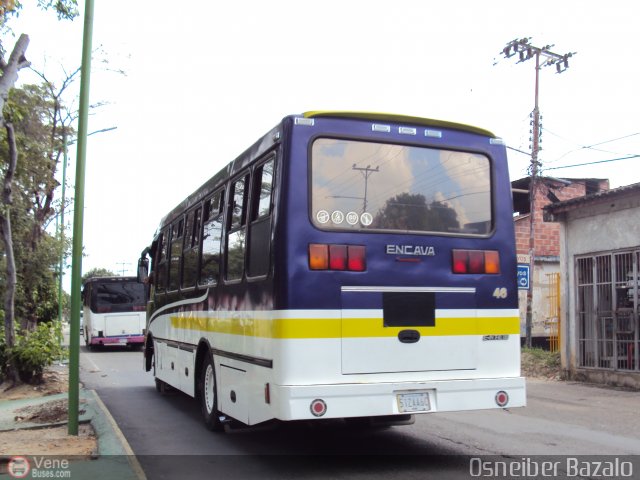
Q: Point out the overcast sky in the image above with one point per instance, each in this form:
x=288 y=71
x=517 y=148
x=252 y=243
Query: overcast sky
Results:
x=203 y=82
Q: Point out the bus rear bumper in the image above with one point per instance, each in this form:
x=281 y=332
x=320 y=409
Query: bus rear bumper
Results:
x=380 y=399
x=115 y=341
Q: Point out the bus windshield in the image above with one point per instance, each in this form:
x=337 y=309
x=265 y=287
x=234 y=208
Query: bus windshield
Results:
x=359 y=185
x=118 y=297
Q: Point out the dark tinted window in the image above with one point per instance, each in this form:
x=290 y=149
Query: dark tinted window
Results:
x=177 y=231
x=191 y=249
x=376 y=186
x=212 y=238
x=260 y=228
x=117 y=296
x=236 y=239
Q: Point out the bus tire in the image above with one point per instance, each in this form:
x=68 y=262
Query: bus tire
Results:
x=208 y=396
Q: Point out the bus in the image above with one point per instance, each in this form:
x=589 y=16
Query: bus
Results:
x=114 y=312
x=345 y=266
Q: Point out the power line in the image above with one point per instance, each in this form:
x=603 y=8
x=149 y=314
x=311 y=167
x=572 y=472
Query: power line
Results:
x=593 y=163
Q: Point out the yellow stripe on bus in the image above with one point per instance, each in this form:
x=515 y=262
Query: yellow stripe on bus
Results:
x=290 y=328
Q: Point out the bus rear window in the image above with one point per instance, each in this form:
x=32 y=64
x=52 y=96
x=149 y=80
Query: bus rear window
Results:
x=360 y=185
x=118 y=297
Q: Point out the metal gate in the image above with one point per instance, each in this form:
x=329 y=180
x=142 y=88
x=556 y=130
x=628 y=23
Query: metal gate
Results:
x=607 y=310
x=553 y=315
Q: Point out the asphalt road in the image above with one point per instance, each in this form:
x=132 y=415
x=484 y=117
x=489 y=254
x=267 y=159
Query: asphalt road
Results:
x=167 y=435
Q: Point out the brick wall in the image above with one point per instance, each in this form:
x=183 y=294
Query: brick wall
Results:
x=547 y=234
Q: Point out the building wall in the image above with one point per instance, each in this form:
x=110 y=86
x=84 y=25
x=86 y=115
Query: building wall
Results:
x=592 y=229
x=541 y=315
x=547 y=244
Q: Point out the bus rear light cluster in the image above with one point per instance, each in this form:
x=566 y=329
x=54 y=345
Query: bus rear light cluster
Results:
x=476 y=261
x=337 y=257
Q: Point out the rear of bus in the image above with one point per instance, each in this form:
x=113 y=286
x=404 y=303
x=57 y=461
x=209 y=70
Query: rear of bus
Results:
x=399 y=258
x=114 y=312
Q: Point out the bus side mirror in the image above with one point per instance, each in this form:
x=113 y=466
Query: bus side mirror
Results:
x=143 y=270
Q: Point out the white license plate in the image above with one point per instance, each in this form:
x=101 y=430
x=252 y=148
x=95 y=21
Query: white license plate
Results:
x=413 y=402
x=122 y=341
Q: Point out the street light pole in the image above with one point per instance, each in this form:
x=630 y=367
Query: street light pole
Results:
x=78 y=219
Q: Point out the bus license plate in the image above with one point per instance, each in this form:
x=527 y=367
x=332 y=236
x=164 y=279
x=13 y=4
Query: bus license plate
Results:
x=413 y=402
x=122 y=341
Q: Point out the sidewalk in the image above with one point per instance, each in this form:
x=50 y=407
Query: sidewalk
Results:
x=112 y=459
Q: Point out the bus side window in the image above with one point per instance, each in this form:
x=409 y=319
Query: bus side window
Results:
x=260 y=234
x=211 y=239
x=177 y=231
x=236 y=238
x=191 y=249
x=161 y=262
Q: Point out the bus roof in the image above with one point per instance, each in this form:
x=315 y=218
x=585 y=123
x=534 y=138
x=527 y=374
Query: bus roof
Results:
x=267 y=140
x=392 y=117
x=110 y=279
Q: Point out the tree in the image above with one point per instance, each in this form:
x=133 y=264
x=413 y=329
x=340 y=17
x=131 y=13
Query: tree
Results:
x=9 y=70
x=97 y=272
x=408 y=211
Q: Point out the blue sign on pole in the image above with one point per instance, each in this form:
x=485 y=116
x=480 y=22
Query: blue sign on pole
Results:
x=523 y=277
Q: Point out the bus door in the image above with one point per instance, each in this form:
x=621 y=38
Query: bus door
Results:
x=405 y=331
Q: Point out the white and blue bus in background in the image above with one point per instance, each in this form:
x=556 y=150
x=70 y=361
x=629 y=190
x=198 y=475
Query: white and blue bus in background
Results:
x=346 y=265
x=114 y=311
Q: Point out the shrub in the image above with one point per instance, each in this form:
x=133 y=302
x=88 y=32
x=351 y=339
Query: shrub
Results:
x=33 y=351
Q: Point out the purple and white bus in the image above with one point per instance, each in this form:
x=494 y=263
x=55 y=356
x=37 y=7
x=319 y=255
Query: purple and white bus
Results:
x=346 y=265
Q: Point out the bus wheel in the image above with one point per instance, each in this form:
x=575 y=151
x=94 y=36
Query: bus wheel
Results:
x=208 y=396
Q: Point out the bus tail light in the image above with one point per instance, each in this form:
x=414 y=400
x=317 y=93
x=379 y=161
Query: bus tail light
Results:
x=351 y=258
x=318 y=257
x=357 y=258
x=476 y=261
x=337 y=257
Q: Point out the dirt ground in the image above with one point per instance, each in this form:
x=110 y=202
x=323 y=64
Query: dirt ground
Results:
x=49 y=440
x=541 y=364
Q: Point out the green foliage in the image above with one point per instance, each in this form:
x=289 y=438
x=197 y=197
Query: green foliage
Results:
x=33 y=352
x=97 y=272
x=39 y=139
x=543 y=358
x=65 y=9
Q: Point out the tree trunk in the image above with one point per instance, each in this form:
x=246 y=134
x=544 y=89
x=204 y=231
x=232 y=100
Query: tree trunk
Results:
x=10 y=69
x=8 y=79
x=5 y=230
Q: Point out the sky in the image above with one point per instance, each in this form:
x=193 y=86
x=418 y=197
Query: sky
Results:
x=202 y=83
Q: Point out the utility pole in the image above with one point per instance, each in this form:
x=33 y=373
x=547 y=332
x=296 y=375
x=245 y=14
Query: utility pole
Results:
x=366 y=173
x=544 y=57
x=122 y=269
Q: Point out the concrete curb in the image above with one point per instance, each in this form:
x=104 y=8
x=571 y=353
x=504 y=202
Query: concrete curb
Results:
x=114 y=459
x=111 y=440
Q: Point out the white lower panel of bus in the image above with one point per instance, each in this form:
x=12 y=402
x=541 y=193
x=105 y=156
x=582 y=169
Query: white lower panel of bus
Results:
x=377 y=399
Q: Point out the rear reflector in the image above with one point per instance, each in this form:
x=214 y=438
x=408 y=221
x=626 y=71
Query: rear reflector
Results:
x=318 y=407
x=502 y=398
x=337 y=257
x=475 y=261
